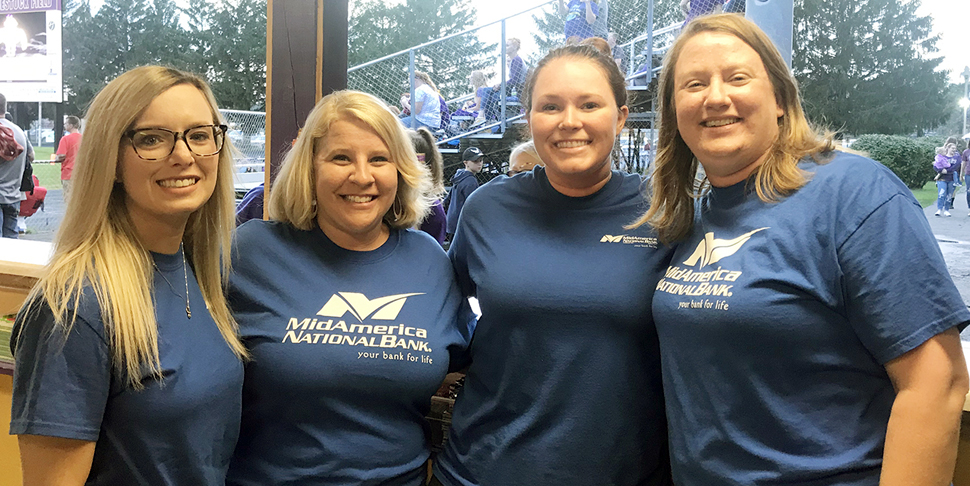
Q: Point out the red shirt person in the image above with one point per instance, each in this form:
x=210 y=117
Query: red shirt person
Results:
x=67 y=150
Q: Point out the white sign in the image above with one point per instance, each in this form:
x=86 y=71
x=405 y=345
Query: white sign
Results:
x=30 y=56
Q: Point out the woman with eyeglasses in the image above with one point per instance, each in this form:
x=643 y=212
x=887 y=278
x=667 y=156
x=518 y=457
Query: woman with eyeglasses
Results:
x=128 y=367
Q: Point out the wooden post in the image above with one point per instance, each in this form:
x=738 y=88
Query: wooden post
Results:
x=306 y=57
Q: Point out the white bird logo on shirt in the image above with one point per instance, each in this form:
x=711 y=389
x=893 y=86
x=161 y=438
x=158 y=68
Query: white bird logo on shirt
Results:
x=711 y=250
x=381 y=308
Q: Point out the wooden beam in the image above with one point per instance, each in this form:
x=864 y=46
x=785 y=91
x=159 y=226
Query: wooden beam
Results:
x=297 y=31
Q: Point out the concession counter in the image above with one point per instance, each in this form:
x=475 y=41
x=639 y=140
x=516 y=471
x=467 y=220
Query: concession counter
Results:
x=21 y=264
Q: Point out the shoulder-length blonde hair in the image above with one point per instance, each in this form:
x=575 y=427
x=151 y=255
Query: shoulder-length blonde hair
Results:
x=292 y=197
x=97 y=245
x=674 y=186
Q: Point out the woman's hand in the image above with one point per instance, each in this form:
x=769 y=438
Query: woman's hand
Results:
x=931 y=385
x=50 y=461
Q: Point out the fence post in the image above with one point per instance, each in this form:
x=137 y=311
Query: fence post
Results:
x=502 y=94
x=414 y=116
x=649 y=42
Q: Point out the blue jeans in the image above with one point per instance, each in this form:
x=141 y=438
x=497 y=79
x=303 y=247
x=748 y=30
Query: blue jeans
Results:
x=9 y=214
x=945 y=190
x=406 y=120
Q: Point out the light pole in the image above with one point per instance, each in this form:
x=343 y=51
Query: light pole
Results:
x=964 y=102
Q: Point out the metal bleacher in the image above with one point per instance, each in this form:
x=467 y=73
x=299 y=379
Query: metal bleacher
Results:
x=389 y=76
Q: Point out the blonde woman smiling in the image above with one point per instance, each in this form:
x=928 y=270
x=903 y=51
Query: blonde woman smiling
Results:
x=128 y=367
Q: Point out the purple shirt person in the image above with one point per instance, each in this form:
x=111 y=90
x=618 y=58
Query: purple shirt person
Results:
x=947 y=165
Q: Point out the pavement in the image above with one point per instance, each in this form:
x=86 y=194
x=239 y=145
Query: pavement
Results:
x=953 y=235
x=42 y=225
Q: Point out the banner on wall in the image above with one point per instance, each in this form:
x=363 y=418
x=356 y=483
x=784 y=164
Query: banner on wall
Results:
x=30 y=50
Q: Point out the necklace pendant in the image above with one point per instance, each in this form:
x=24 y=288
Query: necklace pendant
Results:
x=188 y=312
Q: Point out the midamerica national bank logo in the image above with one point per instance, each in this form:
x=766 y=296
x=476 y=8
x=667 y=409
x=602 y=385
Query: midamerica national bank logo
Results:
x=702 y=277
x=372 y=325
x=638 y=241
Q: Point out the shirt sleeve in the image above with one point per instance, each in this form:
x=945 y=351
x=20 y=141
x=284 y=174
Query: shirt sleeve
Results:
x=458 y=253
x=61 y=380
x=62 y=147
x=465 y=321
x=898 y=291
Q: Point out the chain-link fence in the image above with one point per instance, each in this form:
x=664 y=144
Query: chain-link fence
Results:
x=476 y=74
x=247 y=132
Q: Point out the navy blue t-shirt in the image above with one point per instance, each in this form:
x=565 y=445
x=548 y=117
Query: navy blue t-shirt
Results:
x=347 y=349
x=776 y=321
x=564 y=386
x=179 y=430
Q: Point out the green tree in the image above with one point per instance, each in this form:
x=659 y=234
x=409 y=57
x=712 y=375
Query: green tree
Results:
x=377 y=30
x=869 y=66
x=124 y=34
x=230 y=42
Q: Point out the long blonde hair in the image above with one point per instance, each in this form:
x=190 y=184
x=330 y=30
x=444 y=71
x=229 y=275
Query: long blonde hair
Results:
x=424 y=77
x=292 y=198
x=97 y=246
x=674 y=185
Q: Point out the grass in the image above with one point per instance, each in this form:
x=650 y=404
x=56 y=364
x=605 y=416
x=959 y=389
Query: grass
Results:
x=926 y=195
x=48 y=174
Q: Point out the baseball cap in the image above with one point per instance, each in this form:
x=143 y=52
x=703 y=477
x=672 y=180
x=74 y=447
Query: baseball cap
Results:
x=472 y=153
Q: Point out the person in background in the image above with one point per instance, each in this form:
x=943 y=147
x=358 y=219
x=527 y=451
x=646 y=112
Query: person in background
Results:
x=564 y=387
x=128 y=368
x=251 y=206
x=618 y=54
x=426 y=109
x=523 y=158
x=947 y=165
x=67 y=151
x=27 y=191
x=580 y=15
x=965 y=170
x=600 y=26
x=808 y=326
x=355 y=320
x=11 y=175
x=516 y=67
x=436 y=222
x=473 y=107
x=693 y=9
x=463 y=184
x=599 y=43
x=516 y=73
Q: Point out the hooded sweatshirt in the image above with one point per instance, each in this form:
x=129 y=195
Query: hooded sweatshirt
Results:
x=463 y=183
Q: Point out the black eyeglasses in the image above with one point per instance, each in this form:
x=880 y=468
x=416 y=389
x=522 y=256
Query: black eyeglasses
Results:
x=158 y=143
